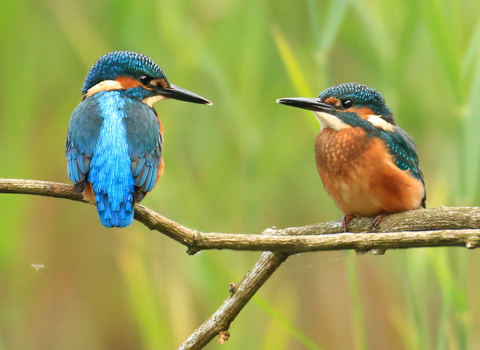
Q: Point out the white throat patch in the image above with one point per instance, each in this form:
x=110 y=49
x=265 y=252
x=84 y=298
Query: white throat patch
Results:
x=330 y=121
x=153 y=99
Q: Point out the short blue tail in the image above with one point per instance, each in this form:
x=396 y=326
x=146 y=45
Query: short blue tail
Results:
x=118 y=216
x=113 y=187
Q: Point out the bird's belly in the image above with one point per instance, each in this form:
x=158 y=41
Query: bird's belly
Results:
x=361 y=177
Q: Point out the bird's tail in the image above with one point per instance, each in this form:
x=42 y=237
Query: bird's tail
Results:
x=114 y=213
x=114 y=197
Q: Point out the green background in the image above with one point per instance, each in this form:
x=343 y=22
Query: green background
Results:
x=239 y=166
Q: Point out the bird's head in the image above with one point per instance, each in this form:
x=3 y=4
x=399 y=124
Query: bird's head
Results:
x=347 y=105
x=137 y=75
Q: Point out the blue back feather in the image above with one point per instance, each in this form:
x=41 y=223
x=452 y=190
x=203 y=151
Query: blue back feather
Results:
x=114 y=143
x=110 y=172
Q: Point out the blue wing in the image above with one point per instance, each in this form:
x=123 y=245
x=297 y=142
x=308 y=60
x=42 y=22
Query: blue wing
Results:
x=82 y=136
x=404 y=152
x=144 y=146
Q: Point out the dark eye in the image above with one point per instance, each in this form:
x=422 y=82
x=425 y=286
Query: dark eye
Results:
x=346 y=103
x=144 y=79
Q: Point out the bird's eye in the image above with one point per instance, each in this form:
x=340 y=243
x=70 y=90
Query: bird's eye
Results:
x=144 y=79
x=347 y=103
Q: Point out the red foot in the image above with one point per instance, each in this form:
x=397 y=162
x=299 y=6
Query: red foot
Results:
x=378 y=220
x=345 y=221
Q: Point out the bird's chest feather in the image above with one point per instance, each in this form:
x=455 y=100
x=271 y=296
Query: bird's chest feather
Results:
x=337 y=151
x=360 y=175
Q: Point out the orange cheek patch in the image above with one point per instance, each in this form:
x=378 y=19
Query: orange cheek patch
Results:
x=164 y=83
x=363 y=112
x=331 y=100
x=128 y=83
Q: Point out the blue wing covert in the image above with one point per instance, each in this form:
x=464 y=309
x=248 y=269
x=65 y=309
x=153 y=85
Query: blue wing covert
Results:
x=144 y=146
x=82 y=136
x=404 y=152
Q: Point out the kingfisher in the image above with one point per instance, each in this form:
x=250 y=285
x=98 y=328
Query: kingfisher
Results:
x=368 y=165
x=115 y=139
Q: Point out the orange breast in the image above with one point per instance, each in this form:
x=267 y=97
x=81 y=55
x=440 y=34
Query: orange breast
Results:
x=361 y=176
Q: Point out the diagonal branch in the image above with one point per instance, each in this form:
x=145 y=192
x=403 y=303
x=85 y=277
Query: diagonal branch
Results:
x=420 y=228
x=241 y=294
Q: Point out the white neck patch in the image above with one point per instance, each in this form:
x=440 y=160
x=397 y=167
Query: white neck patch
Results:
x=330 y=121
x=380 y=123
x=106 y=85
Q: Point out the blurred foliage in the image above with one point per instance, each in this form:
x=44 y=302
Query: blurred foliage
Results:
x=242 y=165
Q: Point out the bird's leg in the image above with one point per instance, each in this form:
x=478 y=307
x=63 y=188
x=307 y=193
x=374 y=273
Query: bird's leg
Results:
x=345 y=221
x=378 y=220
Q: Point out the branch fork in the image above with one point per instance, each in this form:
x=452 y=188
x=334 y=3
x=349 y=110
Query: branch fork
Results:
x=444 y=226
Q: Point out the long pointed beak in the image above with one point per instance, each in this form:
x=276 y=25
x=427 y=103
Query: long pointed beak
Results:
x=177 y=93
x=312 y=104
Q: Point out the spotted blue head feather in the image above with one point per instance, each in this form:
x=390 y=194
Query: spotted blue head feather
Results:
x=121 y=63
x=361 y=95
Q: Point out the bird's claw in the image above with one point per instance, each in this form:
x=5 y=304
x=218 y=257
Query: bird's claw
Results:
x=345 y=221
x=378 y=220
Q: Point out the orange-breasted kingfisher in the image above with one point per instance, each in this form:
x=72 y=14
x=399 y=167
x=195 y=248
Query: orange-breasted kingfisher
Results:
x=368 y=165
x=115 y=138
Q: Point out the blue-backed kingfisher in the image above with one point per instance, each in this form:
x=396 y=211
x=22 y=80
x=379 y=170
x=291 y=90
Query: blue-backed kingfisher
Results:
x=115 y=138
x=368 y=165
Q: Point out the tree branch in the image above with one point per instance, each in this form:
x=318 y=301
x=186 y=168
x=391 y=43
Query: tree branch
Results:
x=149 y=218
x=240 y=295
x=420 y=228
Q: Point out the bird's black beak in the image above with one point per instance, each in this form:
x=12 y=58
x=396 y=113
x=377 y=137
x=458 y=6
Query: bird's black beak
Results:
x=312 y=104
x=177 y=93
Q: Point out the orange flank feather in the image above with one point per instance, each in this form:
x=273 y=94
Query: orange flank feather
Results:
x=88 y=194
x=162 y=163
x=161 y=127
x=160 y=170
x=361 y=176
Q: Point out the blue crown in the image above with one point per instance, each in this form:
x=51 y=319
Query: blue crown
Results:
x=360 y=95
x=121 y=64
